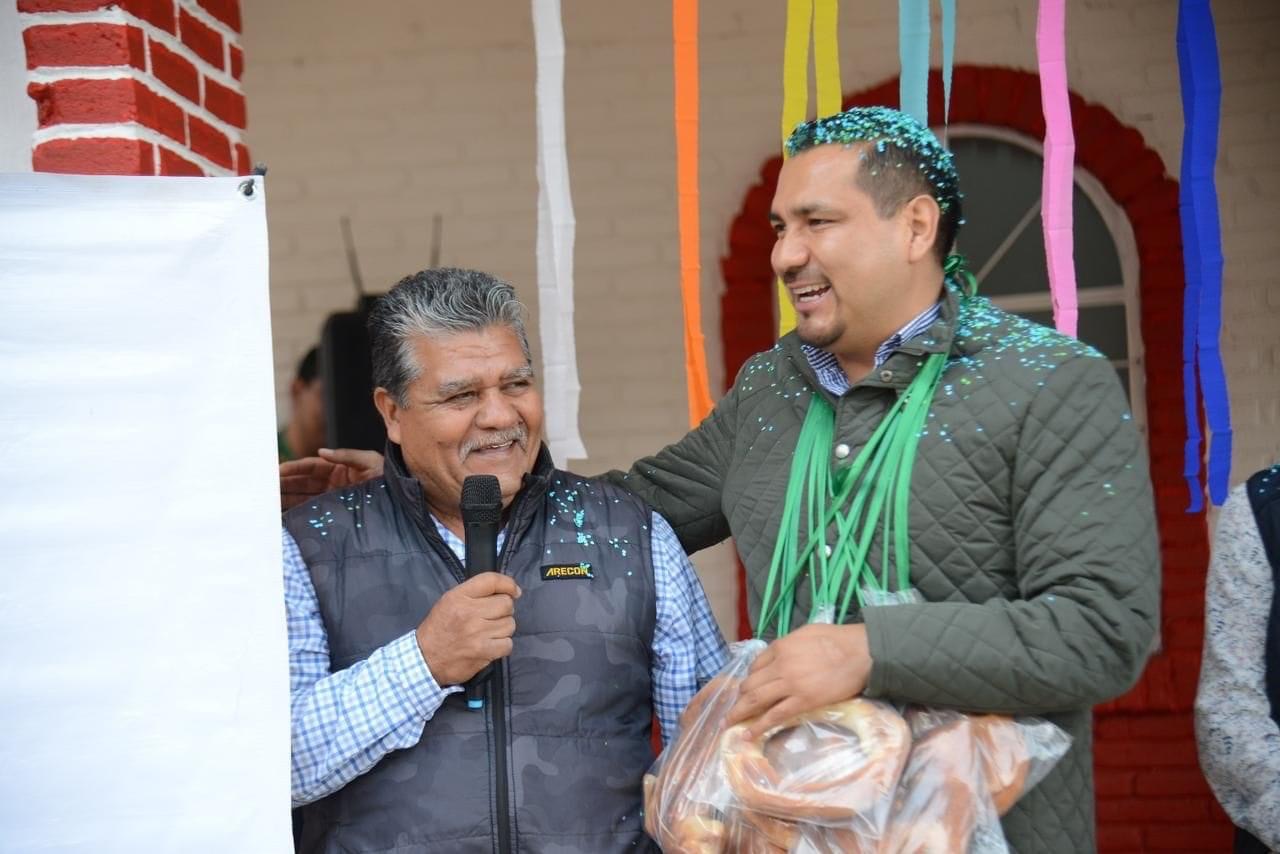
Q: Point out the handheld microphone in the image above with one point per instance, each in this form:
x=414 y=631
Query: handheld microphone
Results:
x=481 y=518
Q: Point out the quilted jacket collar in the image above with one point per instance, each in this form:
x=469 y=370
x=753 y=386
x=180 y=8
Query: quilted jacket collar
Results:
x=901 y=367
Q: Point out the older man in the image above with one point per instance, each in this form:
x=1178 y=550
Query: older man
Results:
x=383 y=628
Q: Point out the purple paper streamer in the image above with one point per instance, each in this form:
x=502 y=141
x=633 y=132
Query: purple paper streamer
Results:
x=1198 y=71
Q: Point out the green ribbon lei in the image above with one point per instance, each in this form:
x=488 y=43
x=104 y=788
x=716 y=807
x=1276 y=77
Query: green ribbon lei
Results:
x=956 y=267
x=876 y=490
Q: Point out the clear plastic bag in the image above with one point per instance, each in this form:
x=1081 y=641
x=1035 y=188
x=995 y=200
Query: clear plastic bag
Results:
x=753 y=833
x=717 y=790
x=964 y=772
x=942 y=798
x=836 y=766
x=857 y=777
x=1016 y=752
x=686 y=798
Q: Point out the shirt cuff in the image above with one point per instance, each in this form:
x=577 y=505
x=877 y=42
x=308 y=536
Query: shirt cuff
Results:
x=877 y=647
x=420 y=687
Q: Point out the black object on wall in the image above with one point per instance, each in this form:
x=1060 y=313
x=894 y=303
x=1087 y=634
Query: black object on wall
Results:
x=351 y=420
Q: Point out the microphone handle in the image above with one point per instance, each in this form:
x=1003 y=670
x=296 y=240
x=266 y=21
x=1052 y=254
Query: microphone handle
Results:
x=481 y=556
x=475 y=689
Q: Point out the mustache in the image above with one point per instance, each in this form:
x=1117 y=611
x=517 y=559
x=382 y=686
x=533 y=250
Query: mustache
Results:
x=518 y=434
x=805 y=275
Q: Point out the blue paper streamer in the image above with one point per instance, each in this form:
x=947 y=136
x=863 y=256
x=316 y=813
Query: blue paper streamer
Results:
x=948 y=55
x=1201 y=81
x=913 y=54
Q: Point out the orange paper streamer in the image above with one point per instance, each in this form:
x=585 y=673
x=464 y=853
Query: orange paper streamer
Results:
x=685 y=32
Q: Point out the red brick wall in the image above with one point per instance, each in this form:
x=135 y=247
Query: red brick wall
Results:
x=1151 y=795
x=136 y=87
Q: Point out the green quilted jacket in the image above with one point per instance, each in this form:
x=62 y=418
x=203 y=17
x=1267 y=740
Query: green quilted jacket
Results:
x=1033 y=537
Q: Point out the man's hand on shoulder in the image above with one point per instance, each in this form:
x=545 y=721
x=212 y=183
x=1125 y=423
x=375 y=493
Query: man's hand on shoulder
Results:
x=468 y=627
x=308 y=477
x=812 y=667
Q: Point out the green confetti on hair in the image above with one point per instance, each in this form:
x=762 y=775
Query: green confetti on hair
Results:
x=886 y=128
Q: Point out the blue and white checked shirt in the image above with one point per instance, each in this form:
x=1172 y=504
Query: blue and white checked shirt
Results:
x=344 y=722
x=832 y=376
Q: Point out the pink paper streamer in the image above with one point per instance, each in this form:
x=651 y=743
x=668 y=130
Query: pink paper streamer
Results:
x=1058 y=185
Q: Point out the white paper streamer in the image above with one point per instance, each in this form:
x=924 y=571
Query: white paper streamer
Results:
x=143 y=655
x=556 y=226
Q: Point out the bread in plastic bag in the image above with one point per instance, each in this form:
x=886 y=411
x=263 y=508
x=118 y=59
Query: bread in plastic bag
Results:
x=943 y=797
x=837 y=765
x=686 y=797
x=714 y=789
x=1015 y=753
x=753 y=833
x=855 y=777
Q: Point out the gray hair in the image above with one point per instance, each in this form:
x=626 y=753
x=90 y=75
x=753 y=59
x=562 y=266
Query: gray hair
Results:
x=436 y=302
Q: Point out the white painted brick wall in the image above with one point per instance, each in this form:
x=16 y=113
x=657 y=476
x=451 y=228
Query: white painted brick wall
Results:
x=420 y=109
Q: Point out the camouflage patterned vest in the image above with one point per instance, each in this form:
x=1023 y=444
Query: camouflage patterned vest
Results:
x=554 y=761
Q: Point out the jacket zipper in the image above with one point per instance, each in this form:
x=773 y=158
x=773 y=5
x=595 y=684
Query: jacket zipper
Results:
x=498 y=698
x=497 y=701
x=498 y=706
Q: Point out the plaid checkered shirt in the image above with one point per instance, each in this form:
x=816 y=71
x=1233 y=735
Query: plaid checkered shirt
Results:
x=832 y=376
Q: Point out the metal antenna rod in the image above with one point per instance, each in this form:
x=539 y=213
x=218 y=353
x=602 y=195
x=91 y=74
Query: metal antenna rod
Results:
x=353 y=261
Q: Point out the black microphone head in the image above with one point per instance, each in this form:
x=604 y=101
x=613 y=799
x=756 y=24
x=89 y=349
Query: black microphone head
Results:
x=481 y=500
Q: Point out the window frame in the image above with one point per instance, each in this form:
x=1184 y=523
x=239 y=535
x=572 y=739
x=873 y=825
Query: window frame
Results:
x=1125 y=293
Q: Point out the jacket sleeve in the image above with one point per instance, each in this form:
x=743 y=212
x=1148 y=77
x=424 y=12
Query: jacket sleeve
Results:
x=1238 y=741
x=1088 y=571
x=684 y=481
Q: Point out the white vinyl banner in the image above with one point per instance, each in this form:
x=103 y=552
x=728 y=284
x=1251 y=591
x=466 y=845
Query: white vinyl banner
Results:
x=144 y=686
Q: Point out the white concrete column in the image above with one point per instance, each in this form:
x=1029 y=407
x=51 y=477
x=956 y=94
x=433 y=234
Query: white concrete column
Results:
x=18 y=110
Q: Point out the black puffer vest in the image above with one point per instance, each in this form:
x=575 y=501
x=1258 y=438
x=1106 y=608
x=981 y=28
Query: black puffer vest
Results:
x=555 y=759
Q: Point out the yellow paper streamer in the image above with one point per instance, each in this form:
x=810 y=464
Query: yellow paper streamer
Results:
x=795 y=108
x=805 y=18
x=795 y=65
x=826 y=57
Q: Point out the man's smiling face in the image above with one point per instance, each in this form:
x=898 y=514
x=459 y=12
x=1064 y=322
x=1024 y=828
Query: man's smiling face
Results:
x=473 y=409
x=843 y=264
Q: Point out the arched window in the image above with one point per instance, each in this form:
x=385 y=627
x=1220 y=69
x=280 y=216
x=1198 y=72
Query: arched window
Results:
x=1003 y=240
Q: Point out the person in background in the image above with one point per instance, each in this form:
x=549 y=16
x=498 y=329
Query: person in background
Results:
x=304 y=434
x=1238 y=700
x=329 y=469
